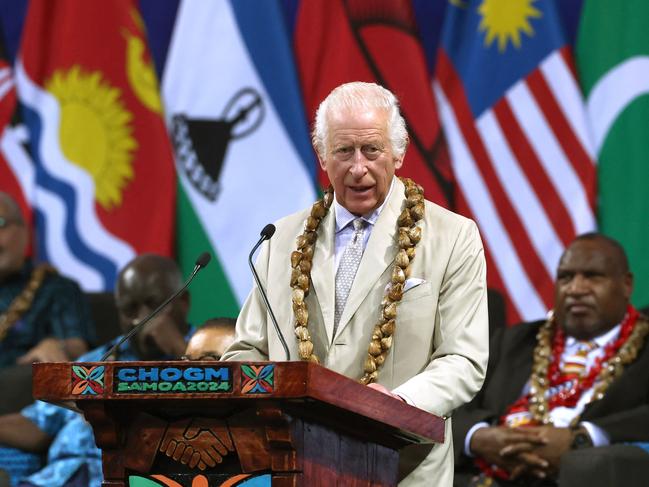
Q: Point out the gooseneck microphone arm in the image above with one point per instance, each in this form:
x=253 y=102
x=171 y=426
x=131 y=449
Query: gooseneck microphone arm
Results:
x=266 y=233
x=201 y=262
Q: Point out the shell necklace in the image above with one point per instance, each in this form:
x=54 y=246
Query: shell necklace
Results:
x=408 y=235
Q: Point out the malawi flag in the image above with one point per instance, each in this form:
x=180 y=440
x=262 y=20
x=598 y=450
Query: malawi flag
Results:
x=105 y=187
x=243 y=156
x=338 y=41
x=520 y=149
x=613 y=64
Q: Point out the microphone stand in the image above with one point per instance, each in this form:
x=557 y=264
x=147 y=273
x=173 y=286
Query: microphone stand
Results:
x=266 y=233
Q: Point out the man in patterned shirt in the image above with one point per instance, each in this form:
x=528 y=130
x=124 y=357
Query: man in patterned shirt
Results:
x=73 y=460
x=43 y=316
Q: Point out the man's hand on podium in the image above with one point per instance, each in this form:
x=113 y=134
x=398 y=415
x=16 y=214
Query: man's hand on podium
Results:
x=197 y=442
x=385 y=390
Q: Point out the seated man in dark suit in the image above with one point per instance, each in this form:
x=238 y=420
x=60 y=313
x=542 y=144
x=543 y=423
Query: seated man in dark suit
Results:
x=43 y=316
x=73 y=460
x=578 y=380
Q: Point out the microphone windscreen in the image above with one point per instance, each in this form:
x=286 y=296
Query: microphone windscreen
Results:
x=268 y=231
x=203 y=259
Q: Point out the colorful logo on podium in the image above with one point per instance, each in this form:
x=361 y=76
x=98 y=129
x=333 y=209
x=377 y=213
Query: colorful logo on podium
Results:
x=87 y=380
x=179 y=379
x=257 y=379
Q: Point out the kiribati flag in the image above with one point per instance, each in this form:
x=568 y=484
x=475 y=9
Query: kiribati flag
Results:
x=520 y=149
x=105 y=184
x=16 y=168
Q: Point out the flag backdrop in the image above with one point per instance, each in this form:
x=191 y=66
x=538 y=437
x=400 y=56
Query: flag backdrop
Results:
x=242 y=147
x=101 y=179
x=376 y=40
x=16 y=168
x=104 y=182
x=613 y=62
x=520 y=150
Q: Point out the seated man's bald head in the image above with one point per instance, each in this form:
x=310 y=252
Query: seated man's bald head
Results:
x=147 y=269
x=211 y=340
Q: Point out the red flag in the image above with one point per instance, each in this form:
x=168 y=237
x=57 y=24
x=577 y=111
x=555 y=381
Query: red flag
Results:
x=339 y=41
x=9 y=145
x=99 y=141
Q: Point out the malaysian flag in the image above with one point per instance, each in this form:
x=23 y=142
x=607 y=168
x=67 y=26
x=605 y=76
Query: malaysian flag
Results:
x=513 y=115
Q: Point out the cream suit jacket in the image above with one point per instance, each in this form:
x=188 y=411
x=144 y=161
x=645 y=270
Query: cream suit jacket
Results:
x=440 y=347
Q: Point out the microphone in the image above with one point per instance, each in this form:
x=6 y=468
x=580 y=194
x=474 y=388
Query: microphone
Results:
x=201 y=262
x=266 y=233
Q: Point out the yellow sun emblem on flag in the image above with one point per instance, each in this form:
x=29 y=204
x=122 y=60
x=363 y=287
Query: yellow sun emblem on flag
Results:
x=505 y=20
x=96 y=131
x=140 y=72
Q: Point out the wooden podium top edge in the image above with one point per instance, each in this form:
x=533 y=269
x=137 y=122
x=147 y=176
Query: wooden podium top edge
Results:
x=62 y=382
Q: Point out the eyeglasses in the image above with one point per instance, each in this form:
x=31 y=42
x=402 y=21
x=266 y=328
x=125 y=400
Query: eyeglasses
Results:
x=5 y=222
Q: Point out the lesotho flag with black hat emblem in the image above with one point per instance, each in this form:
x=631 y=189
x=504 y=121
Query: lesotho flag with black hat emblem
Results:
x=242 y=148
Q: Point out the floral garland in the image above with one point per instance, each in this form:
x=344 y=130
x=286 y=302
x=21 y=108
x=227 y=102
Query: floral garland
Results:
x=409 y=234
x=546 y=373
x=21 y=303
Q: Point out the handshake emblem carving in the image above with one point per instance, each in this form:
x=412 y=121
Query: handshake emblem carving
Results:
x=197 y=442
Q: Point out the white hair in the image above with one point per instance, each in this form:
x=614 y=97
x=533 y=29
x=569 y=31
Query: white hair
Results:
x=357 y=95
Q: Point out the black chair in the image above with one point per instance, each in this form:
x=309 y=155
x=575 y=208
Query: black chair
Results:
x=16 y=382
x=497 y=313
x=623 y=465
x=4 y=479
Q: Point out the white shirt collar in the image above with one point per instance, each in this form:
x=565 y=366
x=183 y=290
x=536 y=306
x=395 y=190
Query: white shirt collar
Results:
x=601 y=340
x=344 y=217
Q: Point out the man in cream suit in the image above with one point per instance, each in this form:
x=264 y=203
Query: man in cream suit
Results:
x=418 y=261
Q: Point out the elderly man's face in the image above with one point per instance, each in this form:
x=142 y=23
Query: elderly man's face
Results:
x=592 y=291
x=359 y=159
x=13 y=241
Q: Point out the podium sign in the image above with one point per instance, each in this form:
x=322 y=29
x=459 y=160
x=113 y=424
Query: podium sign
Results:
x=204 y=424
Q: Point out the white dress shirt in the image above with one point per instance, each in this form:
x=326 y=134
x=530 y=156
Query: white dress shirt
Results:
x=345 y=229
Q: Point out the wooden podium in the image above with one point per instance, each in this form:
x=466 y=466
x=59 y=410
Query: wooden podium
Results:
x=200 y=424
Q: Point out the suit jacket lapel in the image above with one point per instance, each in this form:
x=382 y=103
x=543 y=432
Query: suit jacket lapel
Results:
x=323 y=277
x=378 y=255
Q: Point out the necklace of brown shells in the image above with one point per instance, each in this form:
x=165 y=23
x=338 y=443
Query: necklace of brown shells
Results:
x=23 y=301
x=408 y=234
